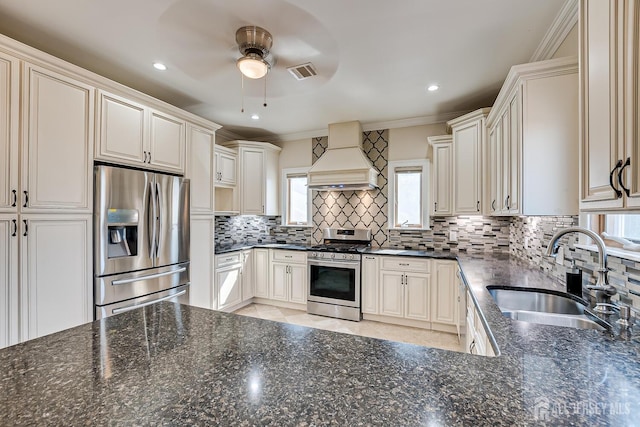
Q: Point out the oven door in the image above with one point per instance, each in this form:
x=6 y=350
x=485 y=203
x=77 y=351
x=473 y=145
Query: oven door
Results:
x=334 y=282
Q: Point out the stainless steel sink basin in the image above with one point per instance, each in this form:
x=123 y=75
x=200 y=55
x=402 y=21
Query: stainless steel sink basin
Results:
x=545 y=307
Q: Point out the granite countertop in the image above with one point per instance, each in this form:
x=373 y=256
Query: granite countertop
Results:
x=170 y=364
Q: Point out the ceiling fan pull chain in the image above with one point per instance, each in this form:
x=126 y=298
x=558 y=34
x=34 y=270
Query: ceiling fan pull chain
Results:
x=242 y=93
x=265 y=91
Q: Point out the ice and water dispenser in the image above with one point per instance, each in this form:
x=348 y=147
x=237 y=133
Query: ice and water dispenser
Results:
x=122 y=226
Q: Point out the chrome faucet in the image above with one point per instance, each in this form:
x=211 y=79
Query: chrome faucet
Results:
x=604 y=291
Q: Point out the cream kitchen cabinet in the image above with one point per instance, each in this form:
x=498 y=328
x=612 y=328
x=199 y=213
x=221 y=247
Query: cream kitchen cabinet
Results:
x=533 y=141
x=369 y=280
x=134 y=134
x=9 y=290
x=257 y=192
x=228 y=280
x=57 y=143
x=261 y=273
x=248 y=275
x=445 y=313
x=442 y=175
x=288 y=276
x=201 y=268
x=609 y=44
x=405 y=287
x=9 y=114
x=226 y=166
x=56 y=271
x=469 y=134
x=200 y=169
x=477 y=336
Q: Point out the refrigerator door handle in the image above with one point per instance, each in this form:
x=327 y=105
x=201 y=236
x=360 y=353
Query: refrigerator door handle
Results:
x=151 y=220
x=144 y=304
x=159 y=216
x=149 y=277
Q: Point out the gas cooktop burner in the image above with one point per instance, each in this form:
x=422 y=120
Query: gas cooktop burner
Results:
x=338 y=247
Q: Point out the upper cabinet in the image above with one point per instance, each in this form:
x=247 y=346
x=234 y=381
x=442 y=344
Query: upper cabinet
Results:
x=226 y=161
x=9 y=113
x=257 y=192
x=609 y=109
x=442 y=175
x=468 y=145
x=57 y=142
x=532 y=156
x=200 y=171
x=134 y=134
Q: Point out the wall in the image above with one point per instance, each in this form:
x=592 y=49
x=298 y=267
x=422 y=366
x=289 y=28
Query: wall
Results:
x=295 y=154
x=411 y=142
x=529 y=237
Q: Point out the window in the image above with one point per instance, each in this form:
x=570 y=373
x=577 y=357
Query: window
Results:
x=408 y=194
x=296 y=197
x=626 y=226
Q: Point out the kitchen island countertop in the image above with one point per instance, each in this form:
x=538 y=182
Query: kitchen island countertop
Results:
x=178 y=365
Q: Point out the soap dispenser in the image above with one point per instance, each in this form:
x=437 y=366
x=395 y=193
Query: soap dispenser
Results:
x=574 y=280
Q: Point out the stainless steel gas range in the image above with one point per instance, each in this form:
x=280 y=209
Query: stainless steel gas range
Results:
x=334 y=273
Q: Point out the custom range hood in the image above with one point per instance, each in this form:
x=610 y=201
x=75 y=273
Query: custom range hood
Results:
x=343 y=166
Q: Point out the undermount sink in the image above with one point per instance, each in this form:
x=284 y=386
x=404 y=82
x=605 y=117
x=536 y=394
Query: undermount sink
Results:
x=544 y=307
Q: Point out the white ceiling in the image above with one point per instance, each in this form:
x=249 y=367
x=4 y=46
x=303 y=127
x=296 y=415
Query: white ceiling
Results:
x=374 y=57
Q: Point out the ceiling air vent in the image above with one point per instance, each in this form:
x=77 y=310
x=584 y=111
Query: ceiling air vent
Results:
x=303 y=71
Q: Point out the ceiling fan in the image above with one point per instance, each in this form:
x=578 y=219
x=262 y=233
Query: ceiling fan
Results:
x=254 y=44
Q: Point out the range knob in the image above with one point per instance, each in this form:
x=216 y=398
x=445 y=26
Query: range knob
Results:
x=333 y=256
x=352 y=256
x=313 y=254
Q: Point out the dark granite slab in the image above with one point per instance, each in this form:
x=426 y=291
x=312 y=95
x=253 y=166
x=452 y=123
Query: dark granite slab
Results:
x=176 y=365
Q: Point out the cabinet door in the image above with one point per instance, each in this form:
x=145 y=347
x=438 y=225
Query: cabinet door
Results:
x=261 y=273
x=122 y=134
x=8 y=280
x=247 y=275
x=298 y=283
x=444 y=293
x=495 y=166
x=200 y=169
x=468 y=171
x=226 y=167
x=601 y=149
x=505 y=161
x=56 y=273
x=370 y=284
x=201 y=291
x=279 y=281
x=252 y=182
x=632 y=105
x=392 y=293
x=443 y=179
x=229 y=286
x=166 y=143
x=9 y=112
x=417 y=296
x=58 y=142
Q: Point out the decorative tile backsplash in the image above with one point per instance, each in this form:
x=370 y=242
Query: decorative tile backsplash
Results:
x=234 y=229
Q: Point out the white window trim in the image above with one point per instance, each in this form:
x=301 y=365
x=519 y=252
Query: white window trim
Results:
x=285 y=198
x=586 y=220
x=391 y=167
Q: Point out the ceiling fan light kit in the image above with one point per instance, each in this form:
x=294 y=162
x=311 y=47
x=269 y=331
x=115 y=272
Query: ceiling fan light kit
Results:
x=254 y=44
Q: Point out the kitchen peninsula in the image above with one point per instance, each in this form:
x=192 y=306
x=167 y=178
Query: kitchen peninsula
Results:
x=180 y=365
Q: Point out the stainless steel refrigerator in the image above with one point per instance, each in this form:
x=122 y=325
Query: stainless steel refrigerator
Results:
x=141 y=239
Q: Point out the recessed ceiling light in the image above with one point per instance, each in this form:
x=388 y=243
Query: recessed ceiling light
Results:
x=159 y=66
x=255 y=117
x=433 y=88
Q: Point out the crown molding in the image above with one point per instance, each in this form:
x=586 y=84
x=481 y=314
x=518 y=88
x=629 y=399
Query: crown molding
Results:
x=564 y=21
x=366 y=127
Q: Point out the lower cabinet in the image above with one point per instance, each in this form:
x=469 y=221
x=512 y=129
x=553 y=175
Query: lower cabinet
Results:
x=477 y=338
x=369 y=279
x=201 y=290
x=288 y=276
x=248 y=279
x=9 y=266
x=228 y=280
x=405 y=294
x=261 y=273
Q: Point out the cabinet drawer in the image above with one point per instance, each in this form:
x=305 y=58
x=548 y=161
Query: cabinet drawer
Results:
x=228 y=259
x=297 y=257
x=405 y=264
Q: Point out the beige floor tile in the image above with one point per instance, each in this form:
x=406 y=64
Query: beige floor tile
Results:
x=365 y=328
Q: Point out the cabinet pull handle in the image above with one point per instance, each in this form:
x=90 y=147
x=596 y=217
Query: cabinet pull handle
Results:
x=144 y=160
x=404 y=264
x=15 y=198
x=493 y=205
x=26 y=227
x=435 y=206
x=15 y=228
x=478 y=206
x=506 y=202
x=262 y=208
x=613 y=171
x=26 y=199
x=625 y=189
x=149 y=161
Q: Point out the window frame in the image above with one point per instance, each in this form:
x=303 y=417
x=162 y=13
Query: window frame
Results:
x=286 y=174
x=425 y=194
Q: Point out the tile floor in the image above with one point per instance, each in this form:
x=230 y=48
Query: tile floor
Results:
x=365 y=328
